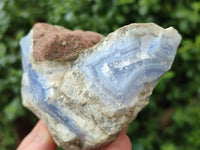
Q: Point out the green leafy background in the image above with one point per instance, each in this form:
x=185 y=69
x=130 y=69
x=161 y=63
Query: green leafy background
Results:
x=171 y=121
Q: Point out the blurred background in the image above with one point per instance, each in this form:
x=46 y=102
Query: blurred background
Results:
x=171 y=121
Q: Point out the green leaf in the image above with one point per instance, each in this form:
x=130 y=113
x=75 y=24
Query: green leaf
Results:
x=2 y=50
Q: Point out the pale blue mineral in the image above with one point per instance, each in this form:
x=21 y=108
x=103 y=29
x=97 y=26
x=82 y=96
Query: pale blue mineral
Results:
x=88 y=100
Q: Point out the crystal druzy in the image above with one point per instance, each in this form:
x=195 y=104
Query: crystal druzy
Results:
x=86 y=87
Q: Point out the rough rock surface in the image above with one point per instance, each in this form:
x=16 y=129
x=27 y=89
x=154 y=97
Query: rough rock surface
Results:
x=54 y=42
x=88 y=99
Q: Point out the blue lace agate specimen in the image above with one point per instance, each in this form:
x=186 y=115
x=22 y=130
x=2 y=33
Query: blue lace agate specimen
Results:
x=86 y=101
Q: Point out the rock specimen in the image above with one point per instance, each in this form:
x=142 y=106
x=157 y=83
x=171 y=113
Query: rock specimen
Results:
x=86 y=87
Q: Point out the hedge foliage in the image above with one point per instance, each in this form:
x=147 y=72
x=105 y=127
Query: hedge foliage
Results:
x=171 y=121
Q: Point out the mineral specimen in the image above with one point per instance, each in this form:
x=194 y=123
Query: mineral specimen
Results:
x=86 y=87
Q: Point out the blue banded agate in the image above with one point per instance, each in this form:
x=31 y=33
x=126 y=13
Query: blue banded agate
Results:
x=96 y=95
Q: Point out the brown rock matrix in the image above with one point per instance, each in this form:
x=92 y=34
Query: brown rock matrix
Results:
x=57 y=43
